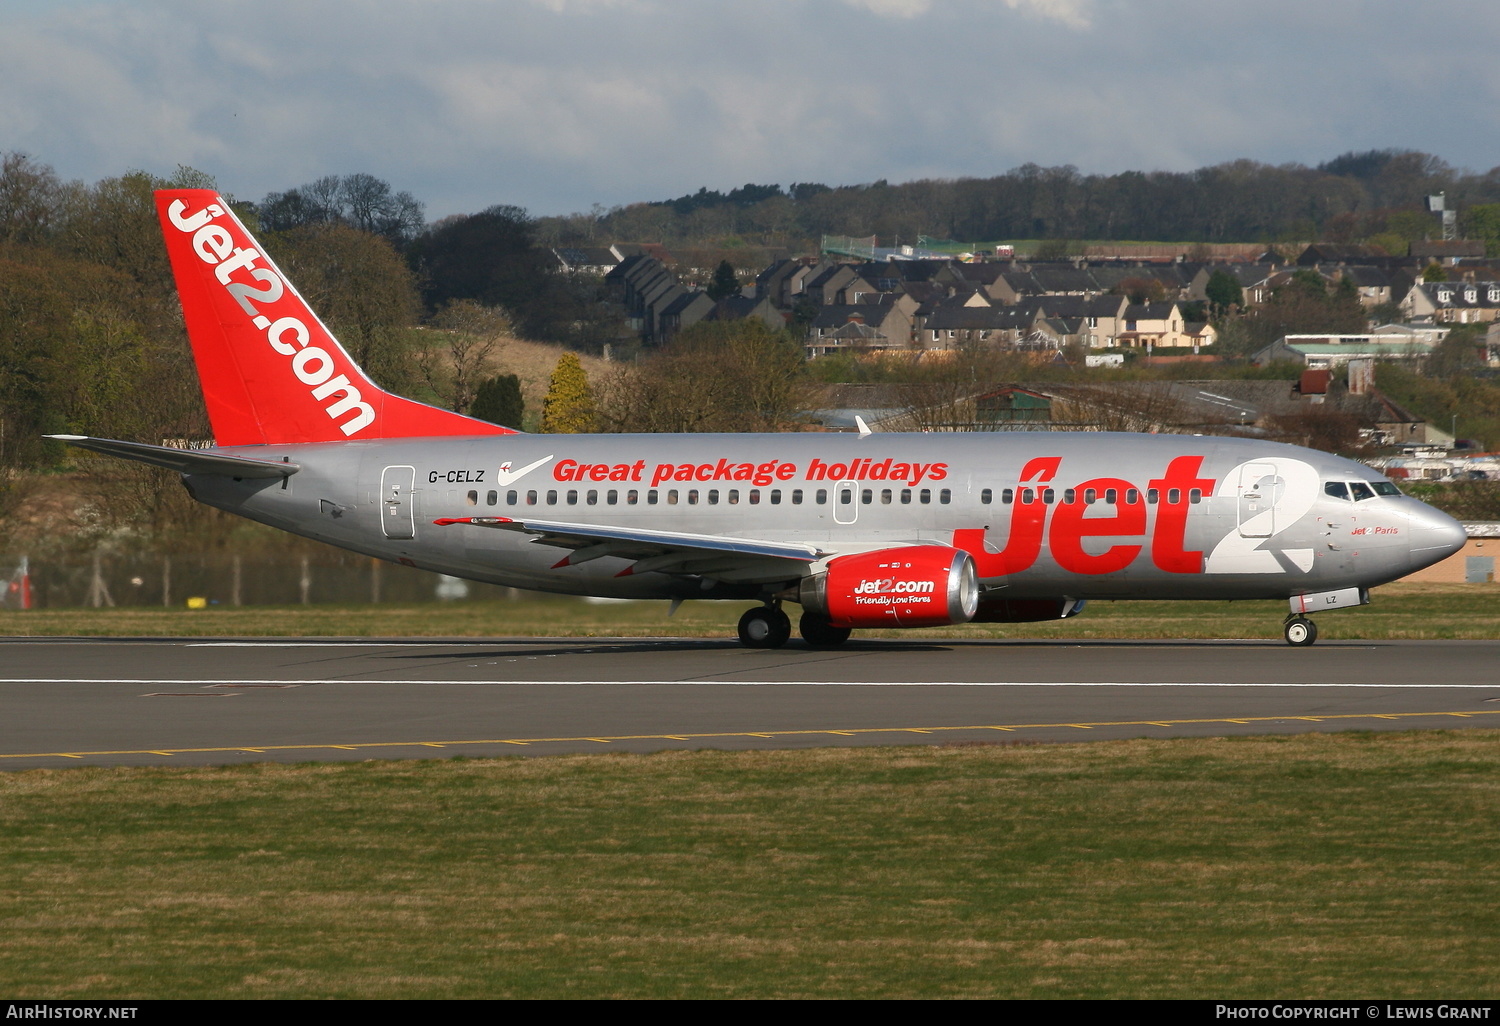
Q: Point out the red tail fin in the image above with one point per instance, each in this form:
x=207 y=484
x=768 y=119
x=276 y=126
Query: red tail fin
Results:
x=271 y=372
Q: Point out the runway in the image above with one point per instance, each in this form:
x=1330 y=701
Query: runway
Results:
x=163 y=701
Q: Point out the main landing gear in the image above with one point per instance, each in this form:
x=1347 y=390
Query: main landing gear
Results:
x=765 y=627
x=1299 y=630
x=768 y=627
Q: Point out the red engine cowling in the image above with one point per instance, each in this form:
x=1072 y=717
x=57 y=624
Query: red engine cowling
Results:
x=913 y=586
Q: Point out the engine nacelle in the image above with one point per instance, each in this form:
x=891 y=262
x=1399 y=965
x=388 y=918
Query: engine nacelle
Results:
x=912 y=586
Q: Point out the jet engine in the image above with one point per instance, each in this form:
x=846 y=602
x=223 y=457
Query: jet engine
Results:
x=912 y=586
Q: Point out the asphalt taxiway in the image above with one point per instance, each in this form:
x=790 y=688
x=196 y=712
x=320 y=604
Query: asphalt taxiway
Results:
x=179 y=701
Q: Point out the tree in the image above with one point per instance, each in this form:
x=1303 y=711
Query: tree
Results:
x=499 y=401
x=358 y=201
x=1434 y=272
x=1142 y=290
x=1224 y=292
x=568 y=407
x=725 y=284
x=361 y=288
x=715 y=376
x=31 y=199
x=456 y=351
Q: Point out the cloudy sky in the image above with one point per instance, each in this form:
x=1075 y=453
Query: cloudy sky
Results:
x=555 y=105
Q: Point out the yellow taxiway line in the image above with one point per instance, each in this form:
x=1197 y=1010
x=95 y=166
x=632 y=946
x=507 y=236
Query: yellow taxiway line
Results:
x=766 y=735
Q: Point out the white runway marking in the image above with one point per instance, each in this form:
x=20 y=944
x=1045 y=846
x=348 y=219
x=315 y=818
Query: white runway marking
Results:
x=205 y=682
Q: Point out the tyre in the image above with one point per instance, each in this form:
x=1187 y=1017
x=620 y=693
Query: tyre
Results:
x=1300 y=631
x=819 y=633
x=764 y=627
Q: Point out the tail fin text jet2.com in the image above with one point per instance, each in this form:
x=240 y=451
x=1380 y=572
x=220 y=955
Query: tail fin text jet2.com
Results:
x=868 y=530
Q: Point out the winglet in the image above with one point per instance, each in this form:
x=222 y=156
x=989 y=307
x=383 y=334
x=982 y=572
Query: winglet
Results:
x=864 y=429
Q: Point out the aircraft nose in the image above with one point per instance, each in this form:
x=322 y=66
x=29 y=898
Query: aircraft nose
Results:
x=1434 y=536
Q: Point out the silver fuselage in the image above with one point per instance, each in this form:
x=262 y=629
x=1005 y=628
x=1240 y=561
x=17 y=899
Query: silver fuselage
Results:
x=1171 y=516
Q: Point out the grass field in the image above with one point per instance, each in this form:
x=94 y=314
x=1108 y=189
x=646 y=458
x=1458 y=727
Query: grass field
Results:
x=1422 y=611
x=1345 y=865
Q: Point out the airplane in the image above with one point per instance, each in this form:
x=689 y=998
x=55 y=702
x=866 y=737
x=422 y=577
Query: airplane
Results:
x=866 y=530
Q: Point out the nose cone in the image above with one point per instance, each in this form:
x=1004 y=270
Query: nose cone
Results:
x=1434 y=536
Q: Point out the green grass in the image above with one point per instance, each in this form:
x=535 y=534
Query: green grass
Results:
x=1347 y=865
x=1421 y=611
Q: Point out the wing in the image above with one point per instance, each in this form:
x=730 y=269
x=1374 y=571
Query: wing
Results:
x=745 y=560
x=184 y=461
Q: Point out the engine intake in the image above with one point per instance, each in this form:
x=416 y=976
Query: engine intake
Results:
x=912 y=586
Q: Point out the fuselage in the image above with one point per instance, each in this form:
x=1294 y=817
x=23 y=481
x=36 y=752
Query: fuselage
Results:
x=1045 y=515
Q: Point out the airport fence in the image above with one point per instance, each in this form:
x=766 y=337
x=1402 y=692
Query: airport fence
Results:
x=176 y=579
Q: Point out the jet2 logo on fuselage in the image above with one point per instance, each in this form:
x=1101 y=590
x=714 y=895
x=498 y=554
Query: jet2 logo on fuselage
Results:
x=505 y=476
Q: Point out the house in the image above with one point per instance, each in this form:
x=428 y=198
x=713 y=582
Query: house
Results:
x=889 y=319
x=1154 y=326
x=1388 y=342
x=1452 y=302
x=585 y=260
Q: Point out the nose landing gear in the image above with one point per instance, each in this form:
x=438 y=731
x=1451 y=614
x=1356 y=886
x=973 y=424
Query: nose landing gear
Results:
x=1299 y=630
x=764 y=627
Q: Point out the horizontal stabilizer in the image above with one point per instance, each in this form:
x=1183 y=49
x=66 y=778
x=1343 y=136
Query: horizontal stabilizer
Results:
x=184 y=461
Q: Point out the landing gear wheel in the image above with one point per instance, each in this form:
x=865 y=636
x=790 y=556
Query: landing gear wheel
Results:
x=764 y=627
x=1299 y=630
x=819 y=633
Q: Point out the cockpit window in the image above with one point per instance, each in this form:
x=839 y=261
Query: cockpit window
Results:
x=1384 y=488
x=1337 y=489
x=1360 y=490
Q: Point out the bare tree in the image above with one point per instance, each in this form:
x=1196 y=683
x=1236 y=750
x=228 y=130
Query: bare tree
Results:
x=463 y=338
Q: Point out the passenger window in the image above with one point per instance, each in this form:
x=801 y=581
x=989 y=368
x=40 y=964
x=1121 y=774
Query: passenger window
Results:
x=1152 y=496
x=776 y=496
x=651 y=497
x=906 y=496
x=822 y=497
x=733 y=498
x=1112 y=495
x=866 y=496
x=925 y=496
x=1360 y=490
x=986 y=497
x=846 y=496
x=472 y=498
x=713 y=497
x=1026 y=496
x=1174 y=496
x=1070 y=496
x=531 y=498
x=1195 y=496
x=754 y=496
x=551 y=497
x=1090 y=496
x=672 y=497
x=692 y=497
x=885 y=496
x=572 y=496
x=1132 y=496
x=1049 y=496
x=631 y=497
x=510 y=498
x=593 y=497
x=492 y=498
x=1008 y=496
x=796 y=496
x=945 y=496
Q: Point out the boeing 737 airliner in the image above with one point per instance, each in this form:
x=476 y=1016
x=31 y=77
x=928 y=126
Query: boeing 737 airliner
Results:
x=866 y=530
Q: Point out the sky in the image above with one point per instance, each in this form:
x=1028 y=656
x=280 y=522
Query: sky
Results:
x=556 y=105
